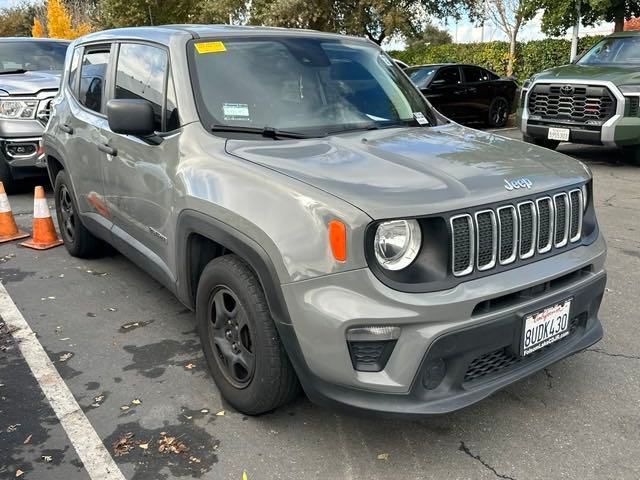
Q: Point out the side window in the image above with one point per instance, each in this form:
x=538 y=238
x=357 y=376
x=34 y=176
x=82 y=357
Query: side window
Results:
x=73 y=71
x=140 y=74
x=473 y=75
x=448 y=76
x=92 y=78
x=172 y=119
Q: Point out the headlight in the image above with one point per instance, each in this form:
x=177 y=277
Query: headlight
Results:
x=397 y=243
x=630 y=90
x=19 y=109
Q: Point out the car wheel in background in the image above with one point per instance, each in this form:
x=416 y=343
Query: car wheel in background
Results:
x=79 y=241
x=5 y=177
x=241 y=344
x=498 y=112
x=541 y=142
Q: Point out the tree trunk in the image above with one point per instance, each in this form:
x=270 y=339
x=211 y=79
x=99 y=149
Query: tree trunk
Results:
x=512 y=54
x=619 y=25
x=619 y=16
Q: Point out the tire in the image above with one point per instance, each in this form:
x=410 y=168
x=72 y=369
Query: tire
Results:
x=5 y=177
x=231 y=309
x=633 y=154
x=542 y=142
x=79 y=241
x=498 y=113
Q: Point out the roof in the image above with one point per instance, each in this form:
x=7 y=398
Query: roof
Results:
x=163 y=33
x=32 y=39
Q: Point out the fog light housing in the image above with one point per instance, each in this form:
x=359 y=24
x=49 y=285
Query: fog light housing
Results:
x=371 y=347
x=434 y=373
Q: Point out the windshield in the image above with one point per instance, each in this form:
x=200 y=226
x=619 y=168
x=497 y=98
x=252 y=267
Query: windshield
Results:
x=614 y=51
x=28 y=56
x=315 y=86
x=421 y=76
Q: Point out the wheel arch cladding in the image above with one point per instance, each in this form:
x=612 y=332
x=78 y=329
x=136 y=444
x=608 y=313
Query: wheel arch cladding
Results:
x=202 y=238
x=54 y=164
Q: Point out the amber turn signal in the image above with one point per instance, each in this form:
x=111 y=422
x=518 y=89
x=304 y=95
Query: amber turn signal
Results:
x=338 y=240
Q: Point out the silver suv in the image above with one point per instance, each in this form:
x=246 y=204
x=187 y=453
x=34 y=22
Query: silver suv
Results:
x=328 y=227
x=29 y=77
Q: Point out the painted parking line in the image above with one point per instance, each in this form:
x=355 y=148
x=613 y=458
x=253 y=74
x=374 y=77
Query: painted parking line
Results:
x=95 y=457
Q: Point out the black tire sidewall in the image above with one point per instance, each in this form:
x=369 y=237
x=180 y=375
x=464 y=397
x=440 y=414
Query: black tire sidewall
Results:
x=491 y=107
x=260 y=394
x=6 y=177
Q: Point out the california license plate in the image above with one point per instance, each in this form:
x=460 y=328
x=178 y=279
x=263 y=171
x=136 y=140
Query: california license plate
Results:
x=545 y=327
x=560 y=134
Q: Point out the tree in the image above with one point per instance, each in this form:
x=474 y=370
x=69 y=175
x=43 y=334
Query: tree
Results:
x=37 y=30
x=59 y=23
x=560 y=15
x=429 y=35
x=16 y=21
x=509 y=16
x=374 y=19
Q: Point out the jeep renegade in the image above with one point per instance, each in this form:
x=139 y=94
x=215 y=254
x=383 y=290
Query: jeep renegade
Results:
x=29 y=77
x=594 y=101
x=328 y=227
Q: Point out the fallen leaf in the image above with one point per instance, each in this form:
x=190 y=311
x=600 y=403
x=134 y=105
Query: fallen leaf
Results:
x=61 y=275
x=189 y=366
x=144 y=446
x=64 y=339
x=122 y=445
x=13 y=428
x=124 y=407
x=136 y=401
x=19 y=473
x=244 y=475
x=66 y=356
x=194 y=459
x=27 y=440
x=383 y=456
x=188 y=417
x=47 y=458
x=220 y=413
x=111 y=309
x=168 y=444
x=204 y=410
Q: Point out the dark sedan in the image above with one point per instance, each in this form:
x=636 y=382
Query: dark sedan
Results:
x=466 y=92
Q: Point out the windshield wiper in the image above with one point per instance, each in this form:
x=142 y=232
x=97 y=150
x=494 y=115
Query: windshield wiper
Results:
x=268 y=132
x=17 y=70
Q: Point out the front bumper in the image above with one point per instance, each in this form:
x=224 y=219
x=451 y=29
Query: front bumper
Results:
x=450 y=327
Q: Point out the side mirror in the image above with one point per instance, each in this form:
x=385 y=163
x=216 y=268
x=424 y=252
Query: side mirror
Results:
x=131 y=117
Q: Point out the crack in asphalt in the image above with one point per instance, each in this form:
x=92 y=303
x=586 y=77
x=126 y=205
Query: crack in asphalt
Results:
x=547 y=372
x=465 y=449
x=608 y=354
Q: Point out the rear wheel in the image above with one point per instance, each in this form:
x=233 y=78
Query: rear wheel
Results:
x=241 y=344
x=498 y=113
x=542 y=142
x=79 y=241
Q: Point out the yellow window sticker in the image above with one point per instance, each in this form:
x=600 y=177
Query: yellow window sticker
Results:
x=210 y=47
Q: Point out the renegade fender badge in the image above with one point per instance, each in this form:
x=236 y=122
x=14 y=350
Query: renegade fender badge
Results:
x=517 y=183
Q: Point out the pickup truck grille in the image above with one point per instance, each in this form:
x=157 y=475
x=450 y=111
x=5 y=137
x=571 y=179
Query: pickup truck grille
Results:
x=573 y=103
x=489 y=237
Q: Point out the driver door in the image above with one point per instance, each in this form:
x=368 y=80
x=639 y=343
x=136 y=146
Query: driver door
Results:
x=445 y=92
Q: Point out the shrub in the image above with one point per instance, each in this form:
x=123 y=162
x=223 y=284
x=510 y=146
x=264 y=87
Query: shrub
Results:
x=531 y=57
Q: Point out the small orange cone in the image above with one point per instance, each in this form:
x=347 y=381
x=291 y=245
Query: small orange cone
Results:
x=8 y=228
x=44 y=232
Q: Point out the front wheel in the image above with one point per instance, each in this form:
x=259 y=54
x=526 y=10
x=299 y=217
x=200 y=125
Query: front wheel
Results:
x=498 y=113
x=241 y=344
x=542 y=142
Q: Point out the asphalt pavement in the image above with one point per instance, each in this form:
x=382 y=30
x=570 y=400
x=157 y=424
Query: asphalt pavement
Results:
x=128 y=352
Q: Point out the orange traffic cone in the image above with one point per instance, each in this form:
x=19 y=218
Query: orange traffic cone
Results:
x=8 y=228
x=44 y=232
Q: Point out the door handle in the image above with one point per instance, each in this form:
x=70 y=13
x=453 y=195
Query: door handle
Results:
x=66 y=128
x=103 y=147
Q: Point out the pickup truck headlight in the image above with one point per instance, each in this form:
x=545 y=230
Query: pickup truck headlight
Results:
x=18 y=109
x=397 y=243
x=630 y=90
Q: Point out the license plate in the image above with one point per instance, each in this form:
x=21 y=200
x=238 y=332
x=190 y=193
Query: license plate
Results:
x=545 y=327
x=561 y=134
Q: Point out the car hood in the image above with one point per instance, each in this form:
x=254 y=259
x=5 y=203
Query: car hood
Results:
x=29 y=83
x=415 y=171
x=615 y=74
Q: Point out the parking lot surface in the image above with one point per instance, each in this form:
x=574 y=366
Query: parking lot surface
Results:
x=129 y=354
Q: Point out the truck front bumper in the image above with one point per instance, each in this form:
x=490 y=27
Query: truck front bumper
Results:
x=452 y=351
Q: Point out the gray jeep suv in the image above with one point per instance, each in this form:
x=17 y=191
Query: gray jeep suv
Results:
x=329 y=229
x=29 y=77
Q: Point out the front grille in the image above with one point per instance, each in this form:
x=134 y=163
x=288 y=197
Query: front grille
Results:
x=497 y=362
x=574 y=103
x=491 y=237
x=634 y=106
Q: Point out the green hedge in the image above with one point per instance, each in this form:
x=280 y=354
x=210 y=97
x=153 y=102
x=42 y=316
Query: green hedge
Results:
x=531 y=57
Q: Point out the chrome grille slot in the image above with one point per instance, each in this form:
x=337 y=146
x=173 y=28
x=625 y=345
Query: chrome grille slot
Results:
x=545 y=224
x=575 y=199
x=463 y=244
x=574 y=103
x=527 y=231
x=561 y=202
x=508 y=236
x=493 y=237
x=486 y=239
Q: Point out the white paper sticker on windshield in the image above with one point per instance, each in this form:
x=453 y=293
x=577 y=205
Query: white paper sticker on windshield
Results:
x=420 y=118
x=235 y=111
